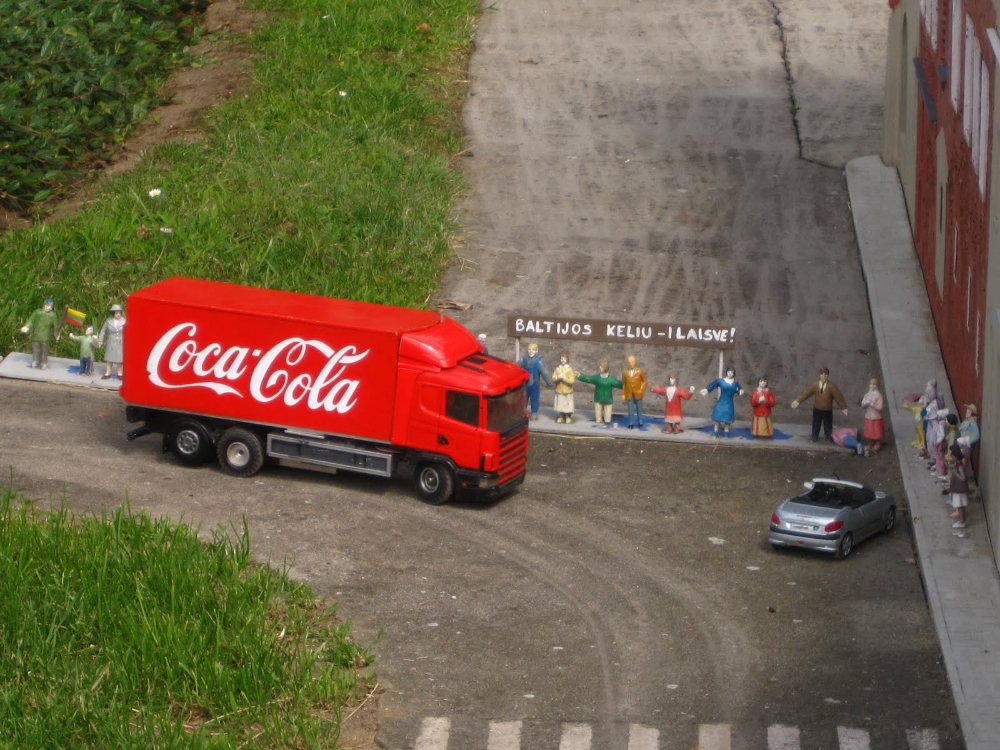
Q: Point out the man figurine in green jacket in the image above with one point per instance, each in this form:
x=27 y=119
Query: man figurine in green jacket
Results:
x=604 y=383
x=43 y=326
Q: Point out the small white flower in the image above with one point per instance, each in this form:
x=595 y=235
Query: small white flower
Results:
x=325 y=18
x=343 y=93
x=166 y=230
x=155 y=193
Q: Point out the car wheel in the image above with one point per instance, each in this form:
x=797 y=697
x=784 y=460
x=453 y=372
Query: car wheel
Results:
x=190 y=442
x=435 y=483
x=846 y=545
x=777 y=547
x=240 y=452
x=890 y=522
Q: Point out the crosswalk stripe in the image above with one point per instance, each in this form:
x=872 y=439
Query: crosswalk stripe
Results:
x=643 y=738
x=504 y=735
x=782 y=738
x=922 y=739
x=575 y=737
x=714 y=737
x=433 y=734
x=853 y=739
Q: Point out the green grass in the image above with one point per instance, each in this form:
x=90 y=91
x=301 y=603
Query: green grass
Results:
x=295 y=185
x=121 y=631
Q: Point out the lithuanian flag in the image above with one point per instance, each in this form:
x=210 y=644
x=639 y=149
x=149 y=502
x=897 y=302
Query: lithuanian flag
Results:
x=75 y=317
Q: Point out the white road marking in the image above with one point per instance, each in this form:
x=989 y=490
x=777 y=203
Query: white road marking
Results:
x=575 y=737
x=922 y=739
x=433 y=734
x=782 y=738
x=643 y=738
x=853 y=739
x=714 y=737
x=504 y=735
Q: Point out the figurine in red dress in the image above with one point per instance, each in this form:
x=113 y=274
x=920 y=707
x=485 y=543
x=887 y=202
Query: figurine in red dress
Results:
x=762 y=401
x=674 y=394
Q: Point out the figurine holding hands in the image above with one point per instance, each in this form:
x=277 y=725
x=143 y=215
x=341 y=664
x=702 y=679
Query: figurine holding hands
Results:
x=724 y=411
x=762 y=400
x=604 y=383
x=824 y=393
x=564 y=377
x=675 y=396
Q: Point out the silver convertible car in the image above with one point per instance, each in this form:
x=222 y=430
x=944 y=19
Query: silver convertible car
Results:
x=832 y=516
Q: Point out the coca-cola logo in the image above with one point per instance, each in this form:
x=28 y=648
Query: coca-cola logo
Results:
x=178 y=361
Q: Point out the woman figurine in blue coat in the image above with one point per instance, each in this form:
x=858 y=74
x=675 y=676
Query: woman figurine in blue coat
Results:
x=725 y=410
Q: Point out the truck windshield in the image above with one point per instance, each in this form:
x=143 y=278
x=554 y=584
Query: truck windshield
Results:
x=505 y=412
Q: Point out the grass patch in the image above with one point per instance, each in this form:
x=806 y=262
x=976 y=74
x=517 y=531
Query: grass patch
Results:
x=121 y=631
x=334 y=174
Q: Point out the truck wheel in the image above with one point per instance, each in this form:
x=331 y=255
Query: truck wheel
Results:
x=435 y=483
x=190 y=442
x=240 y=452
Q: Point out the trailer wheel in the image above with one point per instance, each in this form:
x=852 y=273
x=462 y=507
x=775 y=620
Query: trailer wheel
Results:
x=435 y=483
x=240 y=452
x=190 y=442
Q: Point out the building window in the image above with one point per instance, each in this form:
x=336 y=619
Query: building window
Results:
x=956 y=54
x=976 y=360
x=984 y=125
x=929 y=12
x=968 y=298
x=954 y=257
x=966 y=104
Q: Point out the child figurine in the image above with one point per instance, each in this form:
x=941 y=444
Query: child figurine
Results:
x=970 y=425
x=762 y=401
x=724 y=411
x=874 y=406
x=111 y=336
x=88 y=342
x=675 y=395
x=937 y=434
x=564 y=377
x=604 y=384
x=958 y=486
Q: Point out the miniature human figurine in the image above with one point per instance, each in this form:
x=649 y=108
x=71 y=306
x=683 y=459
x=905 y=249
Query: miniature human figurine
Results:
x=824 y=393
x=724 y=411
x=912 y=404
x=633 y=389
x=762 y=401
x=42 y=326
x=604 y=384
x=537 y=372
x=931 y=403
x=970 y=425
x=111 y=337
x=937 y=442
x=674 y=394
x=564 y=377
x=87 y=341
x=874 y=406
x=482 y=342
x=958 y=485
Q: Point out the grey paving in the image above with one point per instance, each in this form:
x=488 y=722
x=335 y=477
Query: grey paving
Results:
x=958 y=567
x=17 y=365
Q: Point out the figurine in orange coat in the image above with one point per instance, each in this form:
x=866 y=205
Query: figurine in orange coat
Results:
x=674 y=394
x=762 y=401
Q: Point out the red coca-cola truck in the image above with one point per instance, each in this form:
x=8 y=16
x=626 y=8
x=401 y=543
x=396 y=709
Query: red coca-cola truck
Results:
x=252 y=375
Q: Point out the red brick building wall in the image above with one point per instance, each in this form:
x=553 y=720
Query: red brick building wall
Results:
x=958 y=306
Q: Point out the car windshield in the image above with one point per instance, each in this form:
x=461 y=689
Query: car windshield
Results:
x=834 y=495
x=504 y=413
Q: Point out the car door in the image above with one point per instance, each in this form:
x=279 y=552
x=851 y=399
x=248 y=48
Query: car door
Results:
x=871 y=513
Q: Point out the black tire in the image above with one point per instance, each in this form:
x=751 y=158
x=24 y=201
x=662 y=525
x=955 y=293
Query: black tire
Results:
x=846 y=546
x=435 y=483
x=190 y=442
x=890 y=522
x=240 y=452
x=777 y=547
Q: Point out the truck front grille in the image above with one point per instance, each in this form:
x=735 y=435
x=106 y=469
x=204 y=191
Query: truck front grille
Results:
x=513 y=456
